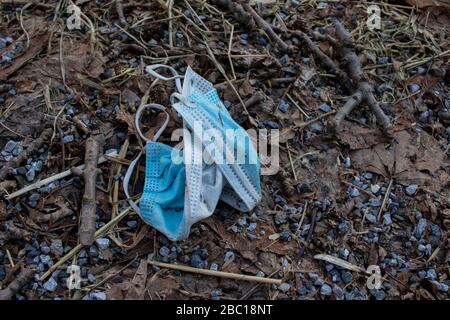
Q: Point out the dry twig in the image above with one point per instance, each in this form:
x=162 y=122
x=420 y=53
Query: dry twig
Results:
x=88 y=208
x=17 y=284
x=364 y=90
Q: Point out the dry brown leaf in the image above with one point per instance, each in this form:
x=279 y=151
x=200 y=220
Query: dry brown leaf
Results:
x=412 y=158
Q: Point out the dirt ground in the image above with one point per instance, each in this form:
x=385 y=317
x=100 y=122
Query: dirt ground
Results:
x=360 y=207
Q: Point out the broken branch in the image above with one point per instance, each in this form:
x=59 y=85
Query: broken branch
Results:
x=88 y=206
x=17 y=284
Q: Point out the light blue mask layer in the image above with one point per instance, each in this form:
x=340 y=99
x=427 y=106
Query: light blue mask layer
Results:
x=242 y=189
x=162 y=201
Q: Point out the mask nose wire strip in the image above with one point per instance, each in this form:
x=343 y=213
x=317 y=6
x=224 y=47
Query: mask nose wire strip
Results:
x=176 y=76
x=127 y=177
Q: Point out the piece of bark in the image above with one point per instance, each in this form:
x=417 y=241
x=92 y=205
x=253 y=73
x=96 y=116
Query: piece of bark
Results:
x=88 y=206
x=15 y=162
x=22 y=279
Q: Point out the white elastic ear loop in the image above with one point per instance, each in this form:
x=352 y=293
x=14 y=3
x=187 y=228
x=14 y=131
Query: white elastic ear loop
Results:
x=126 y=179
x=176 y=76
x=126 y=182
x=138 y=117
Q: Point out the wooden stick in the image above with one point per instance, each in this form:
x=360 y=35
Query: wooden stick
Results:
x=17 y=284
x=88 y=205
x=360 y=82
x=213 y=273
x=56 y=177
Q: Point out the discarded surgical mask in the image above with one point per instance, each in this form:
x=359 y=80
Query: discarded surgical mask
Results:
x=218 y=161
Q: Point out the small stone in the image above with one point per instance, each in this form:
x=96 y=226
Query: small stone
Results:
x=347 y=162
x=251 y=227
x=344 y=253
x=97 y=296
x=344 y=227
x=50 y=285
x=229 y=255
x=371 y=217
x=280 y=218
x=325 y=107
x=411 y=189
x=283 y=106
x=354 y=192
x=44 y=249
x=2 y=273
x=197 y=261
x=383 y=60
x=37 y=165
x=214 y=266
x=413 y=88
x=338 y=292
x=387 y=220
x=242 y=222
x=329 y=267
x=325 y=290
x=30 y=175
x=420 y=228
x=21 y=170
x=69 y=138
x=102 y=243
x=441 y=286
x=431 y=274
x=216 y=294
x=286 y=236
x=316 y=127
x=346 y=276
x=164 y=251
x=93 y=252
x=272 y=124
x=375 y=188
x=378 y=294
x=319 y=282
x=56 y=247
x=132 y=224
x=374 y=202
x=91 y=278
x=304 y=188
x=109 y=72
x=424 y=116
x=284 y=287
x=9 y=146
x=235 y=229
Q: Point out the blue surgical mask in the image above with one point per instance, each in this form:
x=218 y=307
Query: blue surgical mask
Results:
x=177 y=195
